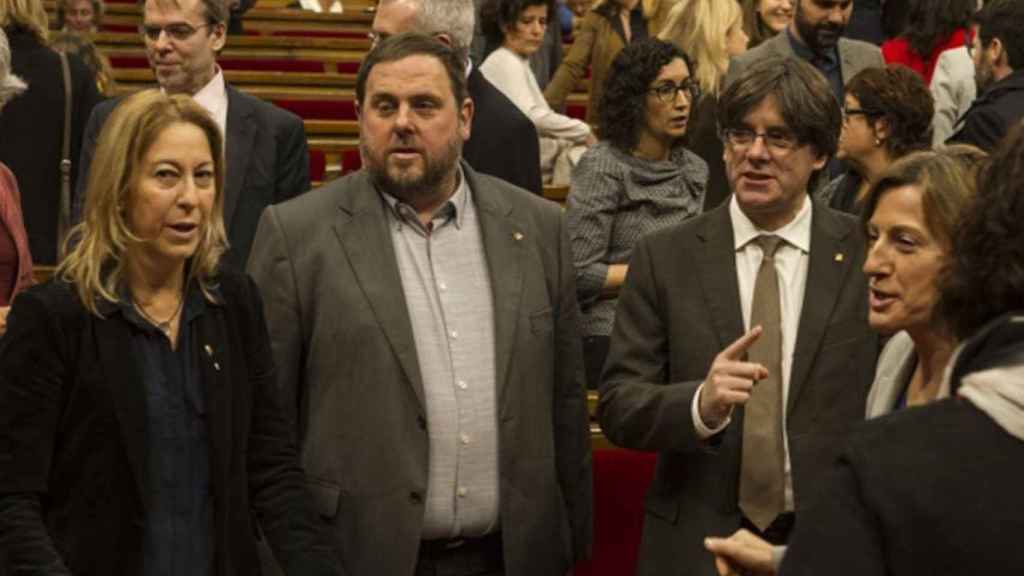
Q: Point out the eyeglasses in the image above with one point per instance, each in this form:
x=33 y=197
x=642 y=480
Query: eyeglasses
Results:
x=778 y=142
x=377 y=37
x=179 y=32
x=667 y=92
x=848 y=112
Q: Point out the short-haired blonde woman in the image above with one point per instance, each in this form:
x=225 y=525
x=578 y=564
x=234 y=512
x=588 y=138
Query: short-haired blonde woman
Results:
x=141 y=428
x=711 y=32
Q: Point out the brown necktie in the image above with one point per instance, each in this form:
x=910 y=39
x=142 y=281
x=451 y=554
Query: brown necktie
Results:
x=762 y=472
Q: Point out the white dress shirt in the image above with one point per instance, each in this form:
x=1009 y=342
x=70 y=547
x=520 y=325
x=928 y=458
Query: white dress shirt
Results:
x=791 y=265
x=511 y=74
x=314 y=6
x=214 y=99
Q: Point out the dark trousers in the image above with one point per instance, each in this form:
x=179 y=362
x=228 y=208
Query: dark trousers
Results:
x=461 y=557
x=595 y=350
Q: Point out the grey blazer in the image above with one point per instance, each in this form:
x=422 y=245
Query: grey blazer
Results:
x=678 y=309
x=343 y=343
x=854 y=56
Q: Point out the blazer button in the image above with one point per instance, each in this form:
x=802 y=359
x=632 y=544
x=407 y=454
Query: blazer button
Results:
x=415 y=497
x=421 y=420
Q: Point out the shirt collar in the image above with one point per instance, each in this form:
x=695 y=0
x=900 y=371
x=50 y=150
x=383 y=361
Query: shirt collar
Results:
x=830 y=59
x=455 y=204
x=214 y=95
x=797 y=233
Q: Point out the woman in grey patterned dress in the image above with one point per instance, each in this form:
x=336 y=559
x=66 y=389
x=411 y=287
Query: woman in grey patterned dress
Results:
x=637 y=179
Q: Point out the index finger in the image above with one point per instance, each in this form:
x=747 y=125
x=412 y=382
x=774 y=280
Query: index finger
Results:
x=736 y=350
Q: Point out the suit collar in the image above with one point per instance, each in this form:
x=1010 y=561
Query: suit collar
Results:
x=239 y=138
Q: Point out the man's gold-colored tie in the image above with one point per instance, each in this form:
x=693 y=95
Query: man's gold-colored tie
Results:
x=762 y=471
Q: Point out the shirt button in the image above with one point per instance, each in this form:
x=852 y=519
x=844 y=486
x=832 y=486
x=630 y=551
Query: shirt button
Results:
x=462 y=384
x=443 y=286
x=464 y=438
x=462 y=492
x=455 y=334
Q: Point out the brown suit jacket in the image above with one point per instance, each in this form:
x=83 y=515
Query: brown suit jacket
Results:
x=342 y=338
x=679 y=308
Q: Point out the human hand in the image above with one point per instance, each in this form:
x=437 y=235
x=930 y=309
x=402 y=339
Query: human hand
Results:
x=3 y=318
x=730 y=380
x=742 y=554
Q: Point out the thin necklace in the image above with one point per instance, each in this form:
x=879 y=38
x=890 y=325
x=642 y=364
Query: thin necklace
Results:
x=164 y=326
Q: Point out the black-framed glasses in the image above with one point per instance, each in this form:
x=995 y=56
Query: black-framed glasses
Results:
x=178 y=32
x=666 y=92
x=850 y=112
x=778 y=142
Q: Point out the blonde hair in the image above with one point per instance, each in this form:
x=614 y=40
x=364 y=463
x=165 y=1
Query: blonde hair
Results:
x=700 y=28
x=28 y=14
x=98 y=245
x=85 y=49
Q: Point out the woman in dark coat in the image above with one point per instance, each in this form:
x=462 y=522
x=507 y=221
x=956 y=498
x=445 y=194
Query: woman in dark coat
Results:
x=33 y=124
x=141 y=432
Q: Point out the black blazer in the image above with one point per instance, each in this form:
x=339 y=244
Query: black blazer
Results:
x=72 y=432
x=503 y=142
x=267 y=163
x=678 y=309
x=32 y=133
x=929 y=491
x=992 y=114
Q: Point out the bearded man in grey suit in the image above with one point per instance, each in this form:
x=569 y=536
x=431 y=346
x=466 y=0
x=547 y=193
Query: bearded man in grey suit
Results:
x=765 y=290
x=424 y=322
x=815 y=35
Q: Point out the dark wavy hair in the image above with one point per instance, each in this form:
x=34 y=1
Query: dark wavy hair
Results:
x=497 y=15
x=623 y=105
x=899 y=95
x=1003 y=19
x=985 y=277
x=803 y=96
x=931 y=22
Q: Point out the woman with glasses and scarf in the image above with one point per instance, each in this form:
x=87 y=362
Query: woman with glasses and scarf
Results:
x=637 y=179
x=887 y=114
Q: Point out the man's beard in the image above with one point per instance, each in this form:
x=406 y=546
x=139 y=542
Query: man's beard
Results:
x=983 y=76
x=406 y=186
x=812 y=35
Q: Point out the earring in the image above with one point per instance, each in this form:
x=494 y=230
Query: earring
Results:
x=878 y=142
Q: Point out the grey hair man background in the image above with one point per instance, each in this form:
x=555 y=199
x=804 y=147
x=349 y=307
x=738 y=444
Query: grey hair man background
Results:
x=504 y=142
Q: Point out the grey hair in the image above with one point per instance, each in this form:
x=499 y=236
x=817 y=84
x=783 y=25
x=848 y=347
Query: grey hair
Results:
x=456 y=18
x=10 y=85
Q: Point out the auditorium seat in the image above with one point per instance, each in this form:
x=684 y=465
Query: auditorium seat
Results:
x=621 y=478
x=319 y=109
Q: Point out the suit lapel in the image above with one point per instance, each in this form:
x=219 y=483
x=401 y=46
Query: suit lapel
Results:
x=717 y=263
x=239 y=140
x=364 y=237
x=503 y=239
x=829 y=264
x=124 y=378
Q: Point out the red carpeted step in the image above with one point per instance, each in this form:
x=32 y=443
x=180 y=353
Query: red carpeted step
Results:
x=320 y=109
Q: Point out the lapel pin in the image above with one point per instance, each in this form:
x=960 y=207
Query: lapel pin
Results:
x=839 y=256
x=208 y=349
x=518 y=235
x=216 y=366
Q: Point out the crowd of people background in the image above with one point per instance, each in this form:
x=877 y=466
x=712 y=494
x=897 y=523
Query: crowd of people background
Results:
x=790 y=263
